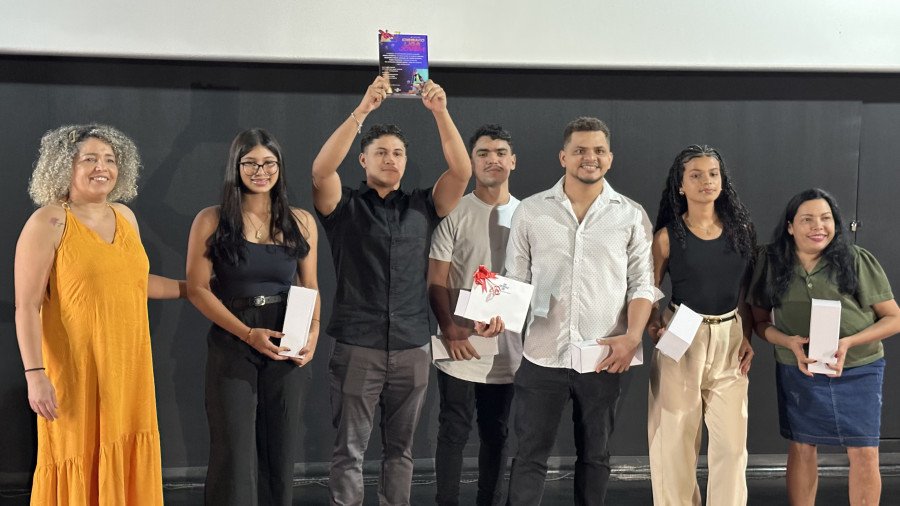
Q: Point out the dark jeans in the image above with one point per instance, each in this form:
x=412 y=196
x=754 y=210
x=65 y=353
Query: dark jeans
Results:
x=253 y=410
x=460 y=399
x=541 y=395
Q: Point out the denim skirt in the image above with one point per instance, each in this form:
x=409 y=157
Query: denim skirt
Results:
x=841 y=411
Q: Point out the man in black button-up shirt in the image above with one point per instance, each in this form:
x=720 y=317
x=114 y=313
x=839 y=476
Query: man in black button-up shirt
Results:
x=380 y=235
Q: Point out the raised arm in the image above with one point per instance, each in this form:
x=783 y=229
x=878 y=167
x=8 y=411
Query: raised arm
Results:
x=326 y=181
x=35 y=251
x=199 y=273
x=451 y=185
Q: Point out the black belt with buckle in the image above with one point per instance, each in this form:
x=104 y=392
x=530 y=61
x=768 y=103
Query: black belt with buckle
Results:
x=715 y=320
x=258 y=301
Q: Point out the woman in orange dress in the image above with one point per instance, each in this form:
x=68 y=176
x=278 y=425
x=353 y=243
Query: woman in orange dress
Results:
x=82 y=282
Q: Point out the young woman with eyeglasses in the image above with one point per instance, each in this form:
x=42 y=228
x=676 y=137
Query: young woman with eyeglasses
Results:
x=243 y=256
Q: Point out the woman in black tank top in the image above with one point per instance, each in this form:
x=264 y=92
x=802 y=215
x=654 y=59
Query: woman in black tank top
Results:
x=251 y=249
x=704 y=240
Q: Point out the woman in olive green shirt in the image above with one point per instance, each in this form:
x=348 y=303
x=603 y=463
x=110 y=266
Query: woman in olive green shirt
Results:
x=811 y=257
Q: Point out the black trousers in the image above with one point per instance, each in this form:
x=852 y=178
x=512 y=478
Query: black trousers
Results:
x=253 y=410
x=460 y=399
x=541 y=395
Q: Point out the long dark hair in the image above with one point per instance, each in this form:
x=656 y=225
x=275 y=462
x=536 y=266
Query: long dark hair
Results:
x=227 y=243
x=735 y=217
x=782 y=251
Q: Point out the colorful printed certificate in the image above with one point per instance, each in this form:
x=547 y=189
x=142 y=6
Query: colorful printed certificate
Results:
x=403 y=59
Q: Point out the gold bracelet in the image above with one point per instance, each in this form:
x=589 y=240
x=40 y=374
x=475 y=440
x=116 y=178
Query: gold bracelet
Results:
x=248 y=334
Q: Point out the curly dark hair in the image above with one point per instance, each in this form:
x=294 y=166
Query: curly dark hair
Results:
x=735 y=217
x=227 y=242
x=781 y=253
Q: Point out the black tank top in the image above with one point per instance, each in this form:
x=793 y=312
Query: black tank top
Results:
x=706 y=275
x=267 y=269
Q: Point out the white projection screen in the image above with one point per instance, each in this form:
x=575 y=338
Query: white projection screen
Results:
x=779 y=35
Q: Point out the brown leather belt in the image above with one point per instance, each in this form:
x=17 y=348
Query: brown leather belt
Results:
x=715 y=320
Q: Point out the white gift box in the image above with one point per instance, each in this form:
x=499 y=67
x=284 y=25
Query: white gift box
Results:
x=485 y=346
x=824 y=333
x=585 y=355
x=501 y=296
x=680 y=332
x=301 y=303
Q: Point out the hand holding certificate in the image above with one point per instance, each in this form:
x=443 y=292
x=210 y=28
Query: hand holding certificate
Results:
x=301 y=303
x=494 y=295
x=679 y=333
x=403 y=60
x=824 y=333
x=585 y=356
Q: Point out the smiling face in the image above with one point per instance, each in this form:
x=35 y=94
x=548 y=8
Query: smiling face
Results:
x=492 y=161
x=586 y=157
x=702 y=179
x=260 y=181
x=94 y=171
x=384 y=161
x=812 y=227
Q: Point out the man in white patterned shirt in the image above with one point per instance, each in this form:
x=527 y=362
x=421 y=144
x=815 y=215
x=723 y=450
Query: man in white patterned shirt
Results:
x=586 y=250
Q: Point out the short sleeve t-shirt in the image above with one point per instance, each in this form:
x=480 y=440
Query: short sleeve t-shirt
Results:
x=792 y=315
x=473 y=234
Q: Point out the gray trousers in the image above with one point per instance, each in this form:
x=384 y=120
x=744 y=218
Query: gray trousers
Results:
x=359 y=378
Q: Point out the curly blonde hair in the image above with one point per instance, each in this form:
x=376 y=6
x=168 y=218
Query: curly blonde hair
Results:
x=52 y=176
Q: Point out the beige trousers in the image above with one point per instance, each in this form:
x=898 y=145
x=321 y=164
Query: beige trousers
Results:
x=705 y=385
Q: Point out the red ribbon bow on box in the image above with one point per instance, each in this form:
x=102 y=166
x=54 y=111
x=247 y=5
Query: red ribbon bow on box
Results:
x=482 y=275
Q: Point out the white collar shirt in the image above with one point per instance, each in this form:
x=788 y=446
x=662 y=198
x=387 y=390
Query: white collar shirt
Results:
x=584 y=274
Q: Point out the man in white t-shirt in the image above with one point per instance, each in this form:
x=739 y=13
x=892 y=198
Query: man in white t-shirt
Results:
x=474 y=233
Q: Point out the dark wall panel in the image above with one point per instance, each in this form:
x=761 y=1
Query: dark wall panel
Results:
x=776 y=138
x=877 y=211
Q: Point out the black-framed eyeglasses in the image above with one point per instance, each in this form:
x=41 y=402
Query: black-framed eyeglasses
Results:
x=250 y=168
